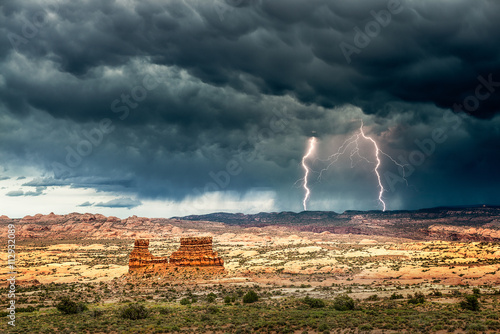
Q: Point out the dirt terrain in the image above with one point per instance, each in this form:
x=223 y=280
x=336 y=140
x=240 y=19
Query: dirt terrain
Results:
x=86 y=256
x=87 y=247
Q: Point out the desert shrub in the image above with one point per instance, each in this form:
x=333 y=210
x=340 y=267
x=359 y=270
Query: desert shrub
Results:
x=476 y=291
x=314 y=302
x=470 y=303
x=365 y=327
x=211 y=297
x=164 y=310
x=373 y=298
x=250 y=297
x=26 y=309
x=68 y=306
x=436 y=293
x=185 y=301
x=323 y=327
x=212 y=309
x=492 y=325
x=134 y=312
x=389 y=305
x=343 y=303
x=418 y=298
x=396 y=296
x=476 y=327
x=97 y=313
x=227 y=300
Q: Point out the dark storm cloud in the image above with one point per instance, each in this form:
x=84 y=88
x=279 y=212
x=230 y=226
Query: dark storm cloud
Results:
x=99 y=183
x=429 y=52
x=188 y=86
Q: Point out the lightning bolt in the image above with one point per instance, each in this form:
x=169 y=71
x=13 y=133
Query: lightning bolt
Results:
x=377 y=150
x=353 y=143
x=312 y=141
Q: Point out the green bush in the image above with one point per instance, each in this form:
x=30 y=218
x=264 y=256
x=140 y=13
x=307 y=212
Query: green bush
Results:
x=67 y=306
x=185 y=301
x=134 y=312
x=323 y=327
x=314 y=302
x=212 y=309
x=26 y=309
x=418 y=298
x=476 y=327
x=396 y=296
x=211 y=297
x=250 y=297
x=373 y=298
x=163 y=310
x=97 y=313
x=227 y=300
x=436 y=293
x=343 y=303
x=365 y=327
x=470 y=303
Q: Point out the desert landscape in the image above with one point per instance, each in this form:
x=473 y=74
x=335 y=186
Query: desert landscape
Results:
x=300 y=266
x=249 y=166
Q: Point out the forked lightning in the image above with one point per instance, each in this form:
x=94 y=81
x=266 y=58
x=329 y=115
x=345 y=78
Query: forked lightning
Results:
x=351 y=145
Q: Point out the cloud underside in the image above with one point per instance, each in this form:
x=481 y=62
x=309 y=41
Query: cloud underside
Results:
x=123 y=202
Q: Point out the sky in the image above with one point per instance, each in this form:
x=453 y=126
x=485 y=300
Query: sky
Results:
x=169 y=108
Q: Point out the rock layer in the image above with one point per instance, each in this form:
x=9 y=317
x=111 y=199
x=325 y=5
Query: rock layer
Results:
x=194 y=252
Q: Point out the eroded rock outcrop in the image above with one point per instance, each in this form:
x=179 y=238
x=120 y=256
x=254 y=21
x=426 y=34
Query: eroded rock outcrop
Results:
x=194 y=253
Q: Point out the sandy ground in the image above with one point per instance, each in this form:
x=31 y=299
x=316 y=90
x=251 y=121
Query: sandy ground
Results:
x=266 y=255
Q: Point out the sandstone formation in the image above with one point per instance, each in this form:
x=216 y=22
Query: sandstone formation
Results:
x=193 y=253
x=196 y=251
x=141 y=257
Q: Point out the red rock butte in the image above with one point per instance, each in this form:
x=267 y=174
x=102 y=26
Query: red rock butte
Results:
x=194 y=252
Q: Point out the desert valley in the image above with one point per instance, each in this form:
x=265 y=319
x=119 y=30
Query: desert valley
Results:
x=404 y=272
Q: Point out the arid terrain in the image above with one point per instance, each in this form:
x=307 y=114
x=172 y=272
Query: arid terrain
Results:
x=444 y=255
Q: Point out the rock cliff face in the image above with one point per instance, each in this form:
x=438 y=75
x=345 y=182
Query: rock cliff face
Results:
x=194 y=253
x=141 y=257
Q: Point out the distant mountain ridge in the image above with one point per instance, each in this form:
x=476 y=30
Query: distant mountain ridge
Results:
x=475 y=223
x=478 y=223
x=299 y=217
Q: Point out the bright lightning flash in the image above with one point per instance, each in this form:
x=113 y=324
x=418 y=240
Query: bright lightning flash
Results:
x=354 y=141
x=377 y=150
x=312 y=141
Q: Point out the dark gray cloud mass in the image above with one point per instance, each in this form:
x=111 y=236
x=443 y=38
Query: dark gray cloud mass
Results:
x=169 y=99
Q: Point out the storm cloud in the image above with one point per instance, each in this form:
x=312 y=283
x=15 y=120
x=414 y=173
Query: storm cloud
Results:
x=171 y=100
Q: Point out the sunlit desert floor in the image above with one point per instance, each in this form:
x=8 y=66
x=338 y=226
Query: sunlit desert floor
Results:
x=282 y=264
x=271 y=255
